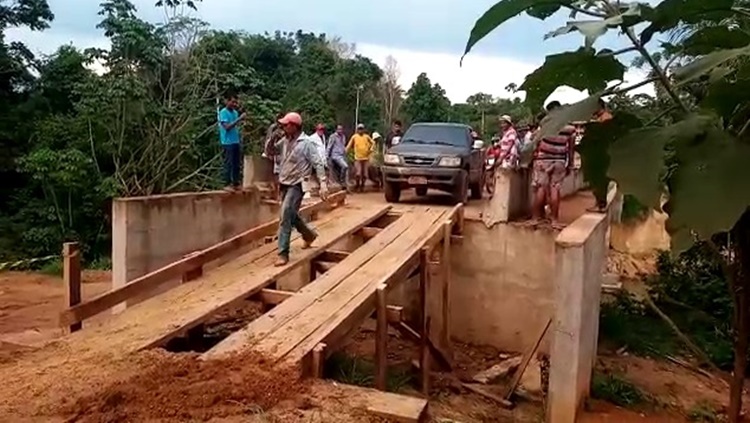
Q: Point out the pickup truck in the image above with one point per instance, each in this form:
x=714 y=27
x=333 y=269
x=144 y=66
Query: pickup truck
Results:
x=441 y=156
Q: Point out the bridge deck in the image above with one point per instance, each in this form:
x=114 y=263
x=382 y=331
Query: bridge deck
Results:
x=329 y=308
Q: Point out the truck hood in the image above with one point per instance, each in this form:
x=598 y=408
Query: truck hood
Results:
x=428 y=150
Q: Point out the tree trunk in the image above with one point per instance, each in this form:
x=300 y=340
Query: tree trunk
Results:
x=740 y=289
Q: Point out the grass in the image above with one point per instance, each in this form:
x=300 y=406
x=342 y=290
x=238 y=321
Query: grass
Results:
x=358 y=371
x=52 y=268
x=705 y=412
x=617 y=390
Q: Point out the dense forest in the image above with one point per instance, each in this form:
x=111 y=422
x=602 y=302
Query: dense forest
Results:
x=71 y=138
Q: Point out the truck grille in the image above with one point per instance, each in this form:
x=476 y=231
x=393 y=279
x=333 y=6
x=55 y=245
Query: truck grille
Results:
x=418 y=161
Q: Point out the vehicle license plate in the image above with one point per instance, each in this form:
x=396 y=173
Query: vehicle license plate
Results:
x=417 y=180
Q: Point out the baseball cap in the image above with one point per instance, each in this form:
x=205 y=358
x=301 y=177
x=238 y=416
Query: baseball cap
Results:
x=507 y=119
x=291 y=117
x=361 y=126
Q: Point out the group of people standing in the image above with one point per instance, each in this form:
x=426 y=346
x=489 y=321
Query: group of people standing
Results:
x=553 y=158
x=298 y=157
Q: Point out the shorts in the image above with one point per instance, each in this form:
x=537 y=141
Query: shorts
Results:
x=548 y=173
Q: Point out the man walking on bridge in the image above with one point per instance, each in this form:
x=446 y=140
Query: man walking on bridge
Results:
x=300 y=156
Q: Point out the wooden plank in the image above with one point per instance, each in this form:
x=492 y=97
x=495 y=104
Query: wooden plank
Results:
x=250 y=280
x=395 y=314
x=273 y=296
x=341 y=312
x=268 y=324
x=175 y=270
x=526 y=360
x=386 y=405
x=334 y=256
x=381 y=339
x=72 y=279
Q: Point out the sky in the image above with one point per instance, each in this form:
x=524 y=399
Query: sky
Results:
x=422 y=35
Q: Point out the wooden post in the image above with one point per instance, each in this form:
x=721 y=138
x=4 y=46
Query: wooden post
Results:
x=381 y=340
x=446 y=312
x=193 y=273
x=72 y=278
x=318 y=360
x=459 y=219
x=424 y=350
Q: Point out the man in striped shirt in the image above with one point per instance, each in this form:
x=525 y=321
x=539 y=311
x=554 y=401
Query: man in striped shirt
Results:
x=553 y=160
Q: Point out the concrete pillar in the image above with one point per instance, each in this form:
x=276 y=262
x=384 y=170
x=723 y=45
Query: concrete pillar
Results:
x=257 y=170
x=580 y=256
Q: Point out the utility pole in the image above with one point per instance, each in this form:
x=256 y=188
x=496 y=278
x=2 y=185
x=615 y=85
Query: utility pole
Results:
x=356 y=111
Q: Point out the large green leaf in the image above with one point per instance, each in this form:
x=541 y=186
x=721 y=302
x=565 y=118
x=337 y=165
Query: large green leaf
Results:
x=709 y=190
x=544 y=11
x=594 y=150
x=557 y=119
x=670 y=13
x=713 y=38
x=638 y=158
x=707 y=63
x=725 y=97
x=503 y=11
x=582 y=70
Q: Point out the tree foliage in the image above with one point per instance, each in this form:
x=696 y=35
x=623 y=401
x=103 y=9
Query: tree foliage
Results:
x=144 y=123
x=692 y=146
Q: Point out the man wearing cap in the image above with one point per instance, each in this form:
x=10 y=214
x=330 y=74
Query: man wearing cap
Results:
x=362 y=145
x=300 y=158
x=336 y=153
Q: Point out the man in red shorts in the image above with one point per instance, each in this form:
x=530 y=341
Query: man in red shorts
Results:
x=553 y=160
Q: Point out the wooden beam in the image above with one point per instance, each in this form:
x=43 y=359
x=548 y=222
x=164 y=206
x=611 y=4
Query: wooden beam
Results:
x=489 y=395
x=445 y=344
x=334 y=256
x=394 y=314
x=318 y=360
x=194 y=273
x=457 y=239
x=381 y=339
x=414 y=336
x=175 y=270
x=459 y=218
x=273 y=296
x=72 y=279
x=368 y=232
x=323 y=266
x=424 y=351
x=526 y=360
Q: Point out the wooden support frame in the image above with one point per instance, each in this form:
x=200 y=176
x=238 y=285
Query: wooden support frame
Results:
x=424 y=350
x=368 y=232
x=272 y=296
x=333 y=256
x=322 y=266
x=77 y=313
x=381 y=339
x=318 y=360
x=72 y=279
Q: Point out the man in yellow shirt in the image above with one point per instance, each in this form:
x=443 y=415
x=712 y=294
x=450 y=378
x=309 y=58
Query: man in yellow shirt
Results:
x=363 y=146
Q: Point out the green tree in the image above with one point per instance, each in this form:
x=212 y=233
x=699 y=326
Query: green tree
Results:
x=426 y=102
x=694 y=151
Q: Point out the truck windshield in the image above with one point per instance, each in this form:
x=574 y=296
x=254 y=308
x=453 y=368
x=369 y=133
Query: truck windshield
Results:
x=440 y=135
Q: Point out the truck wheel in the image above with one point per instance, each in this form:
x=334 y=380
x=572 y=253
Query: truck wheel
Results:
x=461 y=190
x=421 y=191
x=392 y=192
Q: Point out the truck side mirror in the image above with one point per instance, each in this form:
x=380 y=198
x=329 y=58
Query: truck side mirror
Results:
x=478 y=144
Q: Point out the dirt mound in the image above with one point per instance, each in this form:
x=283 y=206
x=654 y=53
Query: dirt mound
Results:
x=182 y=387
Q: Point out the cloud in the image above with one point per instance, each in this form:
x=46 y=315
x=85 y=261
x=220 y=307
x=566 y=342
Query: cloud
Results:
x=479 y=73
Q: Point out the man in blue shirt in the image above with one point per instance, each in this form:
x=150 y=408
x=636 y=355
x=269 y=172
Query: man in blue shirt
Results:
x=229 y=135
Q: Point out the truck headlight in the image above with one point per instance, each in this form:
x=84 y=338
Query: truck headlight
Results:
x=391 y=159
x=450 y=161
